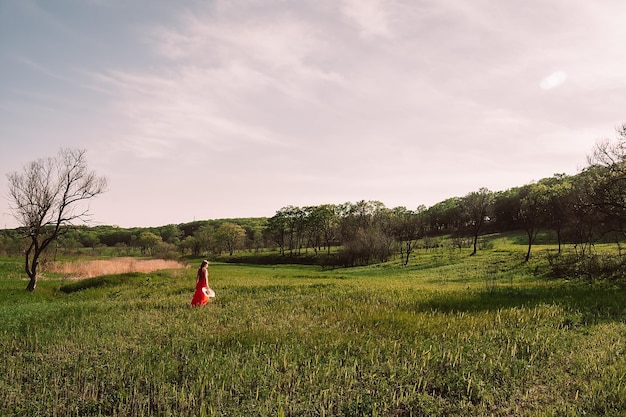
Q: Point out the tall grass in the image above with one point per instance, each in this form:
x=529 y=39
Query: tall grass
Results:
x=435 y=338
x=97 y=267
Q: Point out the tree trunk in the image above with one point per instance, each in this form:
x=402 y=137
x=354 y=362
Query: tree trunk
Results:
x=30 y=266
x=532 y=235
x=31 y=271
x=475 y=244
x=530 y=244
x=409 y=249
x=32 y=283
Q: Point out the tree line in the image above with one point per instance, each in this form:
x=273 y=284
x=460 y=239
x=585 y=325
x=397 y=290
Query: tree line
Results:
x=579 y=210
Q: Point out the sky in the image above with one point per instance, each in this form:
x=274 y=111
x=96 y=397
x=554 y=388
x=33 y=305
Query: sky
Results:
x=215 y=109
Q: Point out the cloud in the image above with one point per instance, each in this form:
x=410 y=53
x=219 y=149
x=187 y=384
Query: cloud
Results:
x=291 y=78
x=227 y=81
x=373 y=93
x=553 y=80
x=314 y=101
x=369 y=16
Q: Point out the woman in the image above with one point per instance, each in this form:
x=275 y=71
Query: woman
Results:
x=203 y=292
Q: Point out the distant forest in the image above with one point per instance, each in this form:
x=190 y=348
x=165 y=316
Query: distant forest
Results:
x=578 y=211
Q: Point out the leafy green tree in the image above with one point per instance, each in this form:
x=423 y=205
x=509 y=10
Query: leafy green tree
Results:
x=559 y=204
x=358 y=217
x=408 y=227
x=296 y=226
x=170 y=233
x=287 y=229
x=148 y=242
x=585 y=219
x=367 y=246
x=365 y=232
x=112 y=235
x=189 y=244
x=444 y=217
x=505 y=211
x=90 y=240
x=230 y=235
x=326 y=219
x=276 y=230
x=475 y=210
x=46 y=198
x=532 y=211
x=4 y=243
x=204 y=238
x=121 y=248
x=67 y=244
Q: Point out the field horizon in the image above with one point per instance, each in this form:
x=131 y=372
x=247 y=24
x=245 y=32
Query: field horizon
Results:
x=449 y=334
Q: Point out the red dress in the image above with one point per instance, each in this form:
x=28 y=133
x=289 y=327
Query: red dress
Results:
x=201 y=296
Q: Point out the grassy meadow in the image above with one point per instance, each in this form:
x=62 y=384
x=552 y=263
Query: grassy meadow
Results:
x=448 y=335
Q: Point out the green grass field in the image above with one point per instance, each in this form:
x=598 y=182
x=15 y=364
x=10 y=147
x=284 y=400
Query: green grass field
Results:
x=449 y=335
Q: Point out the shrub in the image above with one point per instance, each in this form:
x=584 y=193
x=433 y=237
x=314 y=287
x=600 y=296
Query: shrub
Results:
x=366 y=247
x=590 y=267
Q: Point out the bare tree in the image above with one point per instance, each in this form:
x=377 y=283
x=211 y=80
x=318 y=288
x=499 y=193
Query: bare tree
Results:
x=610 y=153
x=607 y=171
x=45 y=198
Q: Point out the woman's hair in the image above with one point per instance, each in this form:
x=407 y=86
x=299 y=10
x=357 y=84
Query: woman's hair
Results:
x=205 y=262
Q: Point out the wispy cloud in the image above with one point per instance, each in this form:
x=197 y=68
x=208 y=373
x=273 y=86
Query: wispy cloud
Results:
x=225 y=81
x=412 y=81
x=181 y=105
x=370 y=16
x=402 y=101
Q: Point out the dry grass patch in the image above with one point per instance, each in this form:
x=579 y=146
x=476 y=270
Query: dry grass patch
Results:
x=94 y=268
